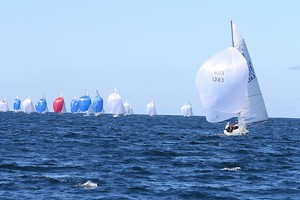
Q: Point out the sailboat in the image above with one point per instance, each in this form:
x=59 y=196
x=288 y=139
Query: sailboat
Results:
x=85 y=104
x=74 y=105
x=59 y=105
x=186 y=110
x=41 y=105
x=27 y=106
x=3 y=105
x=128 y=108
x=150 y=107
x=17 y=105
x=228 y=87
x=115 y=103
x=98 y=104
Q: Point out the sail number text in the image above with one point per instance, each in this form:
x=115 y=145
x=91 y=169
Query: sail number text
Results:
x=218 y=76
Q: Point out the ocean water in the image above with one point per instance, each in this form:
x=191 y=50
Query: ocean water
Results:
x=50 y=156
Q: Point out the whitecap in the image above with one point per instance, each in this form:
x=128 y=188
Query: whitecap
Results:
x=88 y=185
x=231 y=169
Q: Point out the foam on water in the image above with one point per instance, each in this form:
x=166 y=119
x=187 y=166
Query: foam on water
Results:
x=231 y=169
x=88 y=185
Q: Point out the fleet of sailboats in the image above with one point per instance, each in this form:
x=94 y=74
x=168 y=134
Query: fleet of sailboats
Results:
x=228 y=87
x=226 y=83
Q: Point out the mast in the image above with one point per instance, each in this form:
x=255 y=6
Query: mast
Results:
x=232 y=41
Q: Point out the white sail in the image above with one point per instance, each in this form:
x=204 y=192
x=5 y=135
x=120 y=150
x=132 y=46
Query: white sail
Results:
x=3 y=105
x=27 y=106
x=183 y=109
x=115 y=104
x=254 y=109
x=186 y=110
x=128 y=108
x=150 y=107
x=189 y=110
x=221 y=82
x=228 y=87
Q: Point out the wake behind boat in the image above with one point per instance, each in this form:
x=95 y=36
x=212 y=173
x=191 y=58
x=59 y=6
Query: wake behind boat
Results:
x=228 y=87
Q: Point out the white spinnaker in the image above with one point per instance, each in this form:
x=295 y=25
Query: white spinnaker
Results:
x=189 y=110
x=221 y=83
x=254 y=109
x=128 y=108
x=3 y=106
x=151 y=109
x=184 y=110
x=115 y=104
x=27 y=106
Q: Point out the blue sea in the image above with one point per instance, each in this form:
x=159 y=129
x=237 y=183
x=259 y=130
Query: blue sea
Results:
x=51 y=156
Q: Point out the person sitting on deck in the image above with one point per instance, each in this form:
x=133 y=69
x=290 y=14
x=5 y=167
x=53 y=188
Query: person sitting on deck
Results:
x=228 y=127
x=236 y=125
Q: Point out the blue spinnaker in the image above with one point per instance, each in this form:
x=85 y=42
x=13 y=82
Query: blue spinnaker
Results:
x=41 y=105
x=74 y=106
x=17 y=104
x=84 y=103
x=98 y=104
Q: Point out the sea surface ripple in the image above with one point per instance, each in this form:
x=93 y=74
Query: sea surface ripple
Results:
x=50 y=156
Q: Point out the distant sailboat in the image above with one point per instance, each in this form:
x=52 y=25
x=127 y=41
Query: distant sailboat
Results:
x=186 y=110
x=85 y=104
x=128 y=108
x=98 y=104
x=17 y=105
x=74 y=105
x=3 y=105
x=41 y=105
x=228 y=87
x=27 y=106
x=59 y=105
x=150 y=107
x=115 y=104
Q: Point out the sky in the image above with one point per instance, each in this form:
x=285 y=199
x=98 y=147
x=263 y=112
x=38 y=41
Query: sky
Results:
x=147 y=49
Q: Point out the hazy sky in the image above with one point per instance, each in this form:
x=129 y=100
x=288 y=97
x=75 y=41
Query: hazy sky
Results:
x=147 y=49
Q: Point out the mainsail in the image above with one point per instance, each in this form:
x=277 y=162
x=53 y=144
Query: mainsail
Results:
x=254 y=109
